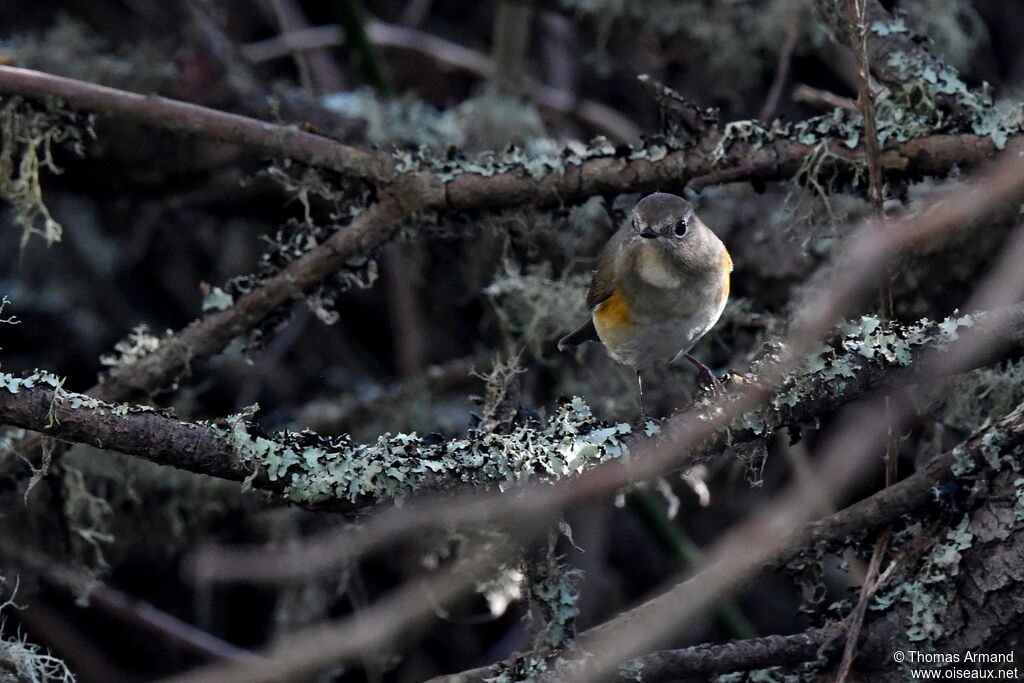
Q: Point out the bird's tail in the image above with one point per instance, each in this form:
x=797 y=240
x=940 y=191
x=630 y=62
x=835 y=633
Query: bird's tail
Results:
x=586 y=333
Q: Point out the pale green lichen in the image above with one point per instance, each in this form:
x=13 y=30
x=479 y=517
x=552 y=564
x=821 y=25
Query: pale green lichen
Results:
x=13 y=383
x=929 y=591
x=319 y=469
x=139 y=343
x=554 y=589
x=533 y=306
x=982 y=395
x=217 y=300
x=25 y=662
x=829 y=366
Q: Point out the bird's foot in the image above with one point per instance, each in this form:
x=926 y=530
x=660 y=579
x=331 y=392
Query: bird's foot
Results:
x=709 y=380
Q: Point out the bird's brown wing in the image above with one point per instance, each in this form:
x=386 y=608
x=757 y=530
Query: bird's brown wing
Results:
x=602 y=285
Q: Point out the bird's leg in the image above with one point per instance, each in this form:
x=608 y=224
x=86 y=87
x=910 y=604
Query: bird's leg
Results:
x=640 y=393
x=716 y=386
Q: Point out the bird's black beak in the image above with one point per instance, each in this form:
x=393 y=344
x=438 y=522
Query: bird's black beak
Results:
x=648 y=234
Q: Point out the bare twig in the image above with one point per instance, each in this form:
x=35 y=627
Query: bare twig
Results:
x=738 y=655
x=140 y=614
x=300 y=655
x=183 y=117
x=823 y=99
x=858 y=44
x=510 y=37
x=793 y=17
x=317 y=68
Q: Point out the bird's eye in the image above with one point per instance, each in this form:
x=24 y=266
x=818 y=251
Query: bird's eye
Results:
x=682 y=227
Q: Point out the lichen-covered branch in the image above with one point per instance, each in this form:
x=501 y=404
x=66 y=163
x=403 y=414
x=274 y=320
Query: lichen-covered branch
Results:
x=337 y=474
x=866 y=355
x=209 y=334
x=737 y=655
x=320 y=472
x=982 y=453
x=740 y=152
x=896 y=54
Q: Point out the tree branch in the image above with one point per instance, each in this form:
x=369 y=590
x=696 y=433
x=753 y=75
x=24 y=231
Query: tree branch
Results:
x=229 y=451
x=895 y=54
x=738 y=655
x=505 y=184
x=192 y=119
x=884 y=507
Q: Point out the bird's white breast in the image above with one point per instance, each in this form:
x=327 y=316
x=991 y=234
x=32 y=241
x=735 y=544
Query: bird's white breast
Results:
x=655 y=271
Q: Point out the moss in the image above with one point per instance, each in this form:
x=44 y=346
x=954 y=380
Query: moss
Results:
x=981 y=395
x=534 y=307
x=88 y=517
x=70 y=48
x=28 y=135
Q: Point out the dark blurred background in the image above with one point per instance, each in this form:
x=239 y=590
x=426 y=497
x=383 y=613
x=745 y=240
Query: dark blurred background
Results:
x=152 y=221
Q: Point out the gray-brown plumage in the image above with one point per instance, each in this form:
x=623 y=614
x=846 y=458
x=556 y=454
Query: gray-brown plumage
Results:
x=661 y=282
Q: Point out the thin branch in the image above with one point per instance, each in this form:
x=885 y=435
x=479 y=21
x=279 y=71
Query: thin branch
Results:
x=298 y=656
x=823 y=99
x=738 y=655
x=793 y=17
x=858 y=44
x=317 y=68
x=183 y=117
x=208 y=335
x=142 y=615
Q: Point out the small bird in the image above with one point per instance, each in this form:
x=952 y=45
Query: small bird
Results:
x=661 y=284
